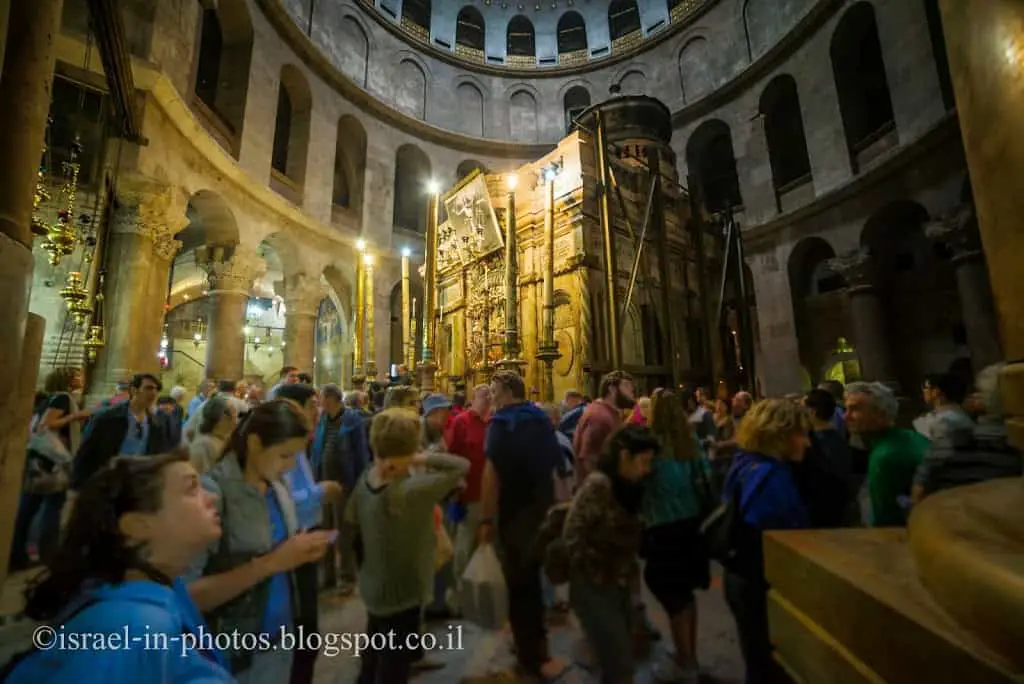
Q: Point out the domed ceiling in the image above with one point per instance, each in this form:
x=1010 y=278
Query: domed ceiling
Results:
x=530 y=34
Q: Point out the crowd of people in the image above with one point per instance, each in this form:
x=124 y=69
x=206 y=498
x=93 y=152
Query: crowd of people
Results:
x=232 y=513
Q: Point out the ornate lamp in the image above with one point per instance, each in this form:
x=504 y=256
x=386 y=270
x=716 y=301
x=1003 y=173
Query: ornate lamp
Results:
x=41 y=195
x=75 y=296
x=61 y=238
x=94 y=340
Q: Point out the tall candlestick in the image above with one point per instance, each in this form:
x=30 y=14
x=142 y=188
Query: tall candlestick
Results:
x=413 y=327
x=429 y=367
x=371 y=331
x=548 y=349
x=405 y=309
x=357 y=342
x=511 y=274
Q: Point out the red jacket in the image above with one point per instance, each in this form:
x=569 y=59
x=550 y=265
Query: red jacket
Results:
x=599 y=420
x=465 y=437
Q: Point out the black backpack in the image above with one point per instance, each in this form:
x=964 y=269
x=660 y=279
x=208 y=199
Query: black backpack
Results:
x=727 y=538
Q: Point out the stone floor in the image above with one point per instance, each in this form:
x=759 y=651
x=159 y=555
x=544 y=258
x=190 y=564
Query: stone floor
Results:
x=484 y=653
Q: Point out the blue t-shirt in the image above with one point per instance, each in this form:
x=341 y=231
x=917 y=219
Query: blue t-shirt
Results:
x=136 y=438
x=279 y=599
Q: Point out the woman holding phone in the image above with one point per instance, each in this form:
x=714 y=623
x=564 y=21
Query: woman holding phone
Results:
x=246 y=581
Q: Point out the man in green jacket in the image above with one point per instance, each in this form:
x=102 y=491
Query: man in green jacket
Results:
x=894 y=453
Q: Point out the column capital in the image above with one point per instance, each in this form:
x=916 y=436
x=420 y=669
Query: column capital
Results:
x=302 y=294
x=959 y=230
x=152 y=209
x=857 y=267
x=234 y=274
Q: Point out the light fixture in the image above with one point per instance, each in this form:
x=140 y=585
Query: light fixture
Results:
x=360 y=244
x=433 y=187
x=197 y=337
x=550 y=173
x=368 y=259
x=511 y=180
x=246 y=331
x=406 y=251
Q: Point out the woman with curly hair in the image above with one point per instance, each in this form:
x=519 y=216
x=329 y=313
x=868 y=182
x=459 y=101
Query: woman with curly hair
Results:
x=772 y=434
x=136 y=524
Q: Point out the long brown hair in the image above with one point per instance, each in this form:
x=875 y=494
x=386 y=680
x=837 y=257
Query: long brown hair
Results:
x=671 y=424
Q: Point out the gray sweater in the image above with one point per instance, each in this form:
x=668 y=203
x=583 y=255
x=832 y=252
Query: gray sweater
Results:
x=395 y=523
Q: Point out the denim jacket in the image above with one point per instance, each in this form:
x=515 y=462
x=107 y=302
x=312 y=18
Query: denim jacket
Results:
x=245 y=521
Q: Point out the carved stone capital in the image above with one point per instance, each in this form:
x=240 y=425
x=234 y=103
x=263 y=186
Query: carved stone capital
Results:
x=959 y=230
x=151 y=209
x=235 y=274
x=302 y=294
x=857 y=267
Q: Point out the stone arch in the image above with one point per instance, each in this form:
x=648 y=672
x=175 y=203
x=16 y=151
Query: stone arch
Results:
x=574 y=101
x=343 y=287
x=696 y=78
x=292 y=126
x=211 y=222
x=412 y=173
x=633 y=81
x=351 y=52
x=349 y=164
x=808 y=269
x=286 y=251
x=712 y=165
x=522 y=116
x=470 y=28
x=520 y=37
x=623 y=18
x=466 y=167
x=395 y=354
x=923 y=320
x=222 y=68
x=469 y=100
x=411 y=94
x=571 y=32
x=858 y=68
x=784 y=130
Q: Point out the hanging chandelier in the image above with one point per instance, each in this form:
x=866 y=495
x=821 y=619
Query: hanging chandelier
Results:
x=76 y=297
x=38 y=225
x=61 y=236
x=94 y=340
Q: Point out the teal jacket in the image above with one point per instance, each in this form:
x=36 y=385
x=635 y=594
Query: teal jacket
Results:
x=669 y=494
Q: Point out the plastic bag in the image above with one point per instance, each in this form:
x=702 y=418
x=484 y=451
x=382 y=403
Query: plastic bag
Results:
x=484 y=597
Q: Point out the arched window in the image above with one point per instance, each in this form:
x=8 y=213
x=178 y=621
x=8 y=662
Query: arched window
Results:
x=349 y=163
x=469 y=29
x=211 y=44
x=222 y=70
x=623 y=18
x=291 y=126
x=412 y=172
x=575 y=101
x=520 y=38
x=709 y=155
x=784 y=130
x=572 y=33
x=861 y=82
x=417 y=12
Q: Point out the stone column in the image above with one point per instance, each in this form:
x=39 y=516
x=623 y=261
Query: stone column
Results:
x=302 y=294
x=141 y=244
x=959 y=231
x=230 y=281
x=25 y=87
x=868 y=315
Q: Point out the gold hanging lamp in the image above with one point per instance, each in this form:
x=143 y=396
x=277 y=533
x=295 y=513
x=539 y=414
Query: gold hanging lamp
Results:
x=95 y=339
x=38 y=225
x=61 y=237
x=76 y=296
